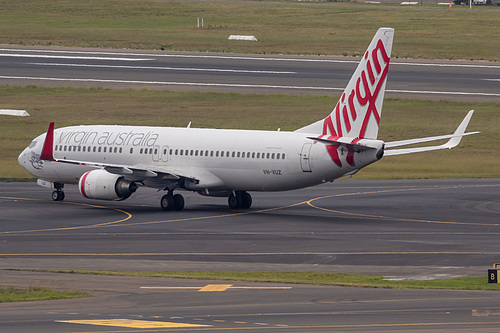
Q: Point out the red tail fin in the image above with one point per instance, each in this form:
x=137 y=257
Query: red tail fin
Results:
x=48 y=145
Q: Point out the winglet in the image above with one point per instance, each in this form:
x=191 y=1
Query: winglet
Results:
x=459 y=132
x=48 y=145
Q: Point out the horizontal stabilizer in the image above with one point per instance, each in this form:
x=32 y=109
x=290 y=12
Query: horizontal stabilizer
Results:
x=353 y=146
x=454 y=140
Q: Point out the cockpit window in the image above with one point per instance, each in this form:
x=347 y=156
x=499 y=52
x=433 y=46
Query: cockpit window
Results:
x=32 y=144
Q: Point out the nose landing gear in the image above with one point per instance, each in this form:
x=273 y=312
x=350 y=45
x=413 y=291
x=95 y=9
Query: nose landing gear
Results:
x=58 y=194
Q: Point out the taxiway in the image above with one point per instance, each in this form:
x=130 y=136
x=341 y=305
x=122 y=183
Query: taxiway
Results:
x=411 y=229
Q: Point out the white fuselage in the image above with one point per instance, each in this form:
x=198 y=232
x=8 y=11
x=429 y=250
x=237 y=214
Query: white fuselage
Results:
x=219 y=160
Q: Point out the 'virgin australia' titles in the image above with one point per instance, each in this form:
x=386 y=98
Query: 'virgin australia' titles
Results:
x=108 y=137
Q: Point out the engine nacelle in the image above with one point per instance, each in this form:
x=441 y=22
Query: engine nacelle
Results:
x=100 y=184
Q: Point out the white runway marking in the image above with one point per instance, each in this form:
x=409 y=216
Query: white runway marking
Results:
x=18 y=55
x=165 y=83
x=165 y=68
x=235 y=85
x=245 y=57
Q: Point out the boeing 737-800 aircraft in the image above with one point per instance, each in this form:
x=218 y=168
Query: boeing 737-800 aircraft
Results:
x=111 y=162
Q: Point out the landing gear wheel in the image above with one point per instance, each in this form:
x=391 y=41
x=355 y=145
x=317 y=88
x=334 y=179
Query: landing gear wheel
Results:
x=172 y=202
x=167 y=202
x=234 y=201
x=58 y=195
x=246 y=200
x=178 y=202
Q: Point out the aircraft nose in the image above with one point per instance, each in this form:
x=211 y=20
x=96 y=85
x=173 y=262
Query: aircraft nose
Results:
x=22 y=158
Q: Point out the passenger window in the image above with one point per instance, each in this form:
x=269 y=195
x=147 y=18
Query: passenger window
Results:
x=99 y=149
x=131 y=150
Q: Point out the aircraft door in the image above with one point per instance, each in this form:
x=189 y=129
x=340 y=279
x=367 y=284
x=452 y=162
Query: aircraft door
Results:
x=305 y=158
x=164 y=153
x=156 y=153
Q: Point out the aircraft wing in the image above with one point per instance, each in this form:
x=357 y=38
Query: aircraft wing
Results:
x=132 y=172
x=454 y=140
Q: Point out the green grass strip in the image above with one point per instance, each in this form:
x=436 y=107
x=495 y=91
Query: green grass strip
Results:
x=36 y=294
x=475 y=157
x=340 y=28
x=311 y=278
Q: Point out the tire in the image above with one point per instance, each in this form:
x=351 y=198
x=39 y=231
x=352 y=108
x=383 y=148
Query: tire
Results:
x=167 y=202
x=234 y=201
x=58 y=195
x=178 y=202
x=246 y=200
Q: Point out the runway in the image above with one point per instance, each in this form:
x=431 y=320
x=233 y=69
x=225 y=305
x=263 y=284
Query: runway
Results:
x=421 y=79
x=408 y=229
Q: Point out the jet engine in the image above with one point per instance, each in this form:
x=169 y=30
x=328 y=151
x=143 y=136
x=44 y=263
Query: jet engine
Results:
x=100 y=184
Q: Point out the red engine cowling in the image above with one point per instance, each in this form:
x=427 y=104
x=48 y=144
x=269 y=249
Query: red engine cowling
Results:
x=100 y=184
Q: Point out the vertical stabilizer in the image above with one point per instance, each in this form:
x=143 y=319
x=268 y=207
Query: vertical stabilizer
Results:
x=357 y=113
x=48 y=145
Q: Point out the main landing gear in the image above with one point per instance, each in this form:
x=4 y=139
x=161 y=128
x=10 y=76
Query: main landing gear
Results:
x=239 y=199
x=172 y=201
x=58 y=194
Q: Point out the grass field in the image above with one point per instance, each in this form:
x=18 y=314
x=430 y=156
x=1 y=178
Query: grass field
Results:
x=402 y=119
x=281 y=27
x=36 y=294
x=312 y=278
